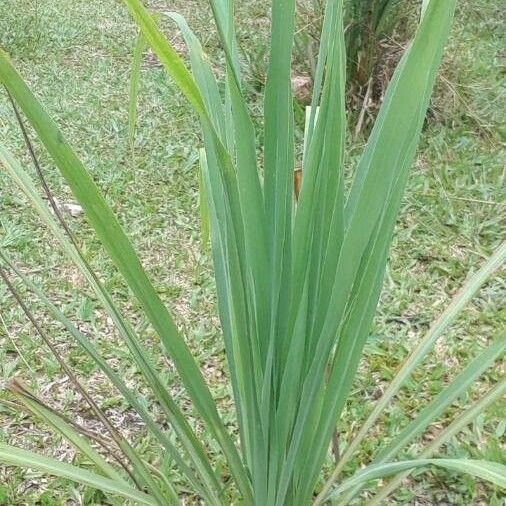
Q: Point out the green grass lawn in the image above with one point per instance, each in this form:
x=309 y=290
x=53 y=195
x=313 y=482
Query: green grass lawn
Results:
x=76 y=55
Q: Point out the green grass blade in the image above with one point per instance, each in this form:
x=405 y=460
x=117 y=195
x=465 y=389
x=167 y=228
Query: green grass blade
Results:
x=123 y=255
x=279 y=160
x=203 y=199
x=12 y=456
x=229 y=254
x=140 y=354
x=223 y=13
x=386 y=160
x=203 y=75
x=184 y=431
x=442 y=401
x=463 y=419
x=454 y=309
x=171 y=61
x=493 y=472
x=228 y=261
x=68 y=432
x=231 y=304
x=329 y=17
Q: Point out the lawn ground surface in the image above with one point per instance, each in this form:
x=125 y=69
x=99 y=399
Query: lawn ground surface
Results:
x=76 y=55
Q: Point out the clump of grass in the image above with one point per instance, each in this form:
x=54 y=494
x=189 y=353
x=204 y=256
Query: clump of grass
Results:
x=298 y=281
x=367 y=23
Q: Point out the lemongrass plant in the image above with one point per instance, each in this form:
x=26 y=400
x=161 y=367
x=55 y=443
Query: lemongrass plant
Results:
x=298 y=281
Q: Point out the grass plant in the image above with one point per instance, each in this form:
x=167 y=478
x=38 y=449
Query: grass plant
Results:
x=298 y=282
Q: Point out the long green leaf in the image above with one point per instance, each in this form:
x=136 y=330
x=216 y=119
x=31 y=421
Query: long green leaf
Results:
x=139 y=352
x=203 y=201
x=203 y=75
x=451 y=313
x=279 y=164
x=442 y=401
x=463 y=419
x=493 y=472
x=12 y=456
x=68 y=432
x=123 y=255
x=185 y=433
x=374 y=196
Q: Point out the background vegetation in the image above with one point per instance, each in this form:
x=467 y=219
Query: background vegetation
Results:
x=76 y=55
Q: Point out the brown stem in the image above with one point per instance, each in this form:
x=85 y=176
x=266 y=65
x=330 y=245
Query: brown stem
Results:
x=365 y=104
x=49 y=194
x=116 y=436
x=335 y=446
x=20 y=391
